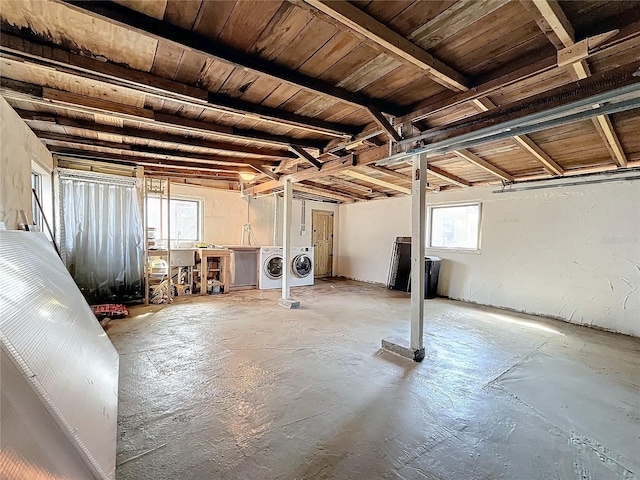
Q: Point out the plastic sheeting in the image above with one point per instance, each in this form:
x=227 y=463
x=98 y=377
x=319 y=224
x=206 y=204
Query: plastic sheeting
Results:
x=59 y=370
x=102 y=240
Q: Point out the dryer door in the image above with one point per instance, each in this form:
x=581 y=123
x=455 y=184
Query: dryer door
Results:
x=273 y=267
x=302 y=266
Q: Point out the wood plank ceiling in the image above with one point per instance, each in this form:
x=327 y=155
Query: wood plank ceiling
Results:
x=320 y=90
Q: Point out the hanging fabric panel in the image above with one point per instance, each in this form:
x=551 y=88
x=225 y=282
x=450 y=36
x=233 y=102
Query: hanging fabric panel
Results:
x=101 y=235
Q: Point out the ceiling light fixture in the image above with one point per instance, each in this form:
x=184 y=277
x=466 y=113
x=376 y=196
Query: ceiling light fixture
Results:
x=247 y=176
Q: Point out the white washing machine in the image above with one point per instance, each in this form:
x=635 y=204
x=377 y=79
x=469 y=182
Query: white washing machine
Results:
x=270 y=268
x=301 y=266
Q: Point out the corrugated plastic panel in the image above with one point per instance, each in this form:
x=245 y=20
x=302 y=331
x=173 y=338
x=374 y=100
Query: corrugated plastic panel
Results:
x=62 y=353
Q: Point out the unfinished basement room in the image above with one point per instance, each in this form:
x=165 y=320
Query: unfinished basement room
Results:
x=320 y=239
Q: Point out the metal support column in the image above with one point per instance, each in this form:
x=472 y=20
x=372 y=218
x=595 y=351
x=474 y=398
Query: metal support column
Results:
x=286 y=300
x=418 y=203
x=418 y=220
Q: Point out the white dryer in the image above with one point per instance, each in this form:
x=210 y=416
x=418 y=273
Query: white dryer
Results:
x=301 y=266
x=270 y=268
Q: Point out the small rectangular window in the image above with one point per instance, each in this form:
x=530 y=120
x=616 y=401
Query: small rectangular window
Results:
x=184 y=219
x=454 y=226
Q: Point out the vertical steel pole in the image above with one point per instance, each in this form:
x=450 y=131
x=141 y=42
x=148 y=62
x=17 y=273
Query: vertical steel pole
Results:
x=418 y=220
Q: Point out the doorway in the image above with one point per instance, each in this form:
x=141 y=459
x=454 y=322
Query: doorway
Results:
x=322 y=238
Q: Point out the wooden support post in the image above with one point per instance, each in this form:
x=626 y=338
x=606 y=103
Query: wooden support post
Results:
x=418 y=220
x=286 y=301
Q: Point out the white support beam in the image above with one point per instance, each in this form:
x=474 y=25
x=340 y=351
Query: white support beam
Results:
x=286 y=300
x=418 y=237
x=415 y=350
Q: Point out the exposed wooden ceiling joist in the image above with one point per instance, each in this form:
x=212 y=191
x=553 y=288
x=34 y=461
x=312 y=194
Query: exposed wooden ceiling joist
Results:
x=382 y=121
x=376 y=181
x=447 y=177
x=303 y=154
x=138 y=160
x=335 y=190
x=86 y=143
x=623 y=77
x=351 y=185
x=86 y=104
x=195 y=42
x=365 y=25
x=34 y=119
x=483 y=164
x=389 y=172
x=123 y=77
x=433 y=105
x=561 y=34
x=484 y=104
x=321 y=193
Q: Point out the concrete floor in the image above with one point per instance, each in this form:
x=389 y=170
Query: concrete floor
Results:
x=236 y=387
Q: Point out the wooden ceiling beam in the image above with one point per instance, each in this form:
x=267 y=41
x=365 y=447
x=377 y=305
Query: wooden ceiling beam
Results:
x=328 y=168
x=560 y=28
x=304 y=155
x=190 y=173
x=389 y=172
x=34 y=119
x=337 y=191
x=547 y=162
x=137 y=160
x=384 y=124
x=193 y=41
x=85 y=104
x=447 y=177
x=378 y=33
x=376 y=181
x=483 y=164
x=88 y=143
x=85 y=67
x=484 y=105
x=351 y=185
x=553 y=22
x=265 y=171
x=321 y=193
x=523 y=71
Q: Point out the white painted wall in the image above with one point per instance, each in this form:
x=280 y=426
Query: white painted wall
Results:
x=570 y=252
x=18 y=148
x=225 y=213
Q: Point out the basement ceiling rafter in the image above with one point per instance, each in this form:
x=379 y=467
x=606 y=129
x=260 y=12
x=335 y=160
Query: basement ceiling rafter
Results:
x=195 y=42
x=561 y=34
x=85 y=104
x=89 y=129
x=355 y=19
x=311 y=91
x=42 y=56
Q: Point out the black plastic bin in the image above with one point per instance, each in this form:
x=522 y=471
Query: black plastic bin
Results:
x=431 y=274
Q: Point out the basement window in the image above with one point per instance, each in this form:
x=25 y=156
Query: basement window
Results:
x=454 y=226
x=184 y=219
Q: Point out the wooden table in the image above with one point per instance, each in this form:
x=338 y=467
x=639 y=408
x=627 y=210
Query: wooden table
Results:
x=225 y=274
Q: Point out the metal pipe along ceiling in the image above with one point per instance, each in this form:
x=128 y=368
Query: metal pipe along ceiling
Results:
x=615 y=101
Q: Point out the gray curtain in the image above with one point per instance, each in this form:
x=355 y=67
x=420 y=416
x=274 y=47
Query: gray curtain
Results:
x=101 y=235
